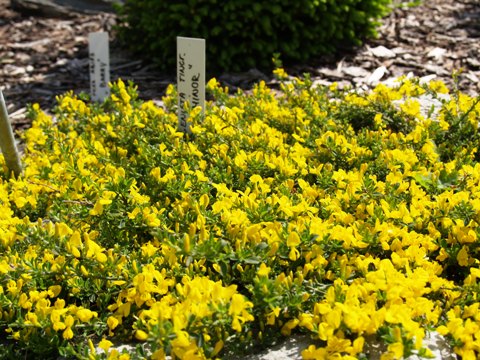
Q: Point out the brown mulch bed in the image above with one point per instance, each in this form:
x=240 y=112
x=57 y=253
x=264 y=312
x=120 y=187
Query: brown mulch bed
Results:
x=41 y=58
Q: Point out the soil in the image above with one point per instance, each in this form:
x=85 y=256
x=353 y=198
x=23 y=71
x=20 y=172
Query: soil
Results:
x=43 y=57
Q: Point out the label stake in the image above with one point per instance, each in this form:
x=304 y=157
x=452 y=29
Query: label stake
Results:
x=190 y=77
x=7 y=141
x=99 y=64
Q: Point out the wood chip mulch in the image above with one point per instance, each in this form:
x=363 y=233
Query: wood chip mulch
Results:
x=41 y=58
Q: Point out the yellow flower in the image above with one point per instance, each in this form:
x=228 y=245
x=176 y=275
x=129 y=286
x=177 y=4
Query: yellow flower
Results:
x=97 y=208
x=201 y=176
x=438 y=86
x=141 y=335
x=463 y=257
x=54 y=290
x=68 y=333
x=312 y=353
x=358 y=344
x=396 y=349
x=218 y=347
x=32 y=319
x=149 y=250
x=238 y=309
x=105 y=344
x=263 y=270
x=155 y=173
x=325 y=331
x=56 y=319
x=293 y=241
x=112 y=322
x=289 y=326
x=280 y=73
x=212 y=84
x=133 y=214
x=85 y=315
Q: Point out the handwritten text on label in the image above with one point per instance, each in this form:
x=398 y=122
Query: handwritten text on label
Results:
x=190 y=77
x=99 y=62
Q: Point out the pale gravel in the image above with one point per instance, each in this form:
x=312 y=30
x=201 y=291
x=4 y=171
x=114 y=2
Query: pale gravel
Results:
x=292 y=347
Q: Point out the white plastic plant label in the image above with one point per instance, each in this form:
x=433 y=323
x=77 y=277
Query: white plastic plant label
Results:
x=99 y=61
x=7 y=140
x=190 y=77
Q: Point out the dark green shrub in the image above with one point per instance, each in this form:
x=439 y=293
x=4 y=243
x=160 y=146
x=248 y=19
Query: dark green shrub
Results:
x=242 y=34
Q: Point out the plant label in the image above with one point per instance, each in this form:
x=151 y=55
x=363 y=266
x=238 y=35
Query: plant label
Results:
x=7 y=141
x=190 y=77
x=99 y=63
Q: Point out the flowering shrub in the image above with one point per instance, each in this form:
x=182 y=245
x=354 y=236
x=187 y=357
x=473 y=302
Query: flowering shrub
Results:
x=313 y=210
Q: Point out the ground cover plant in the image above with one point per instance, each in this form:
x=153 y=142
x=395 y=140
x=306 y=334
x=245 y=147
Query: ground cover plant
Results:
x=309 y=209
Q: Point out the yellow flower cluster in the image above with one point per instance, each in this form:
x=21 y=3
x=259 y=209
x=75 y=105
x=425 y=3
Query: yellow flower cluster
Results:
x=337 y=214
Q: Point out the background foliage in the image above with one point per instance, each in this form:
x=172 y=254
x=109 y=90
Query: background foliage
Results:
x=245 y=34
